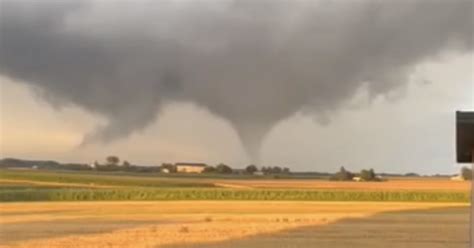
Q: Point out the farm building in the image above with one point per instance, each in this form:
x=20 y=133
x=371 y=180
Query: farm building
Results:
x=357 y=179
x=190 y=167
x=457 y=178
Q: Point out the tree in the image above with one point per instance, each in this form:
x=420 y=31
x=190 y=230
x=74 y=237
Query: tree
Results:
x=342 y=175
x=372 y=175
x=223 y=169
x=364 y=175
x=286 y=170
x=466 y=173
x=113 y=160
x=126 y=164
x=276 y=170
x=95 y=165
x=368 y=175
x=251 y=169
x=209 y=169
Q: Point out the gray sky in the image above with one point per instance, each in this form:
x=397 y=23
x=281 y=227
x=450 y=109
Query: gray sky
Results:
x=311 y=85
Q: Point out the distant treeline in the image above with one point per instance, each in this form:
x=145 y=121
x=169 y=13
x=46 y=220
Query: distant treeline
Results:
x=40 y=164
x=113 y=163
x=54 y=165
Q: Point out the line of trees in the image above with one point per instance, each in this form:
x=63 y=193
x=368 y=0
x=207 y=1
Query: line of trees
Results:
x=275 y=170
x=250 y=169
x=113 y=163
x=364 y=175
x=218 y=169
x=267 y=170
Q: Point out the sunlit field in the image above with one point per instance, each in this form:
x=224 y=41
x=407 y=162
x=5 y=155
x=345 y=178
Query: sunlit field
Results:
x=59 y=209
x=233 y=224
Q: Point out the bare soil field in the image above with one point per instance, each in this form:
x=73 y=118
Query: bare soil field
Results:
x=229 y=224
x=421 y=184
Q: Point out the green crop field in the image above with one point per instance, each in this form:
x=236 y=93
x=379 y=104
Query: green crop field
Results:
x=31 y=194
x=97 y=179
x=60 y=186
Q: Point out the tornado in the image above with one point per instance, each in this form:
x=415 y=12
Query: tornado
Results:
x=252 y=63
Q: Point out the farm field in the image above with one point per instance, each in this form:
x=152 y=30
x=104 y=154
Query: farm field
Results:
x=397 y=184
x=88 y=180
x=62 y=186
x=225 y=224
x=95 y=180
x=60 y=209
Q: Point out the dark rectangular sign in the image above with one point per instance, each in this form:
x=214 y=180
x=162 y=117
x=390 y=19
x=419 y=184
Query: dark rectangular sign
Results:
x=464 y=136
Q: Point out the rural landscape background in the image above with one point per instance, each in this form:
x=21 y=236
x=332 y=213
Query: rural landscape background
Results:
x=234 y=123
x=48 y=204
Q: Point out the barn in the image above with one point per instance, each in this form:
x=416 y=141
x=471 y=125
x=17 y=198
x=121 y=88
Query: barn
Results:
x=190 y=167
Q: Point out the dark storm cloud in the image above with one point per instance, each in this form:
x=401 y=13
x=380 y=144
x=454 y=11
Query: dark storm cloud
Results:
x=252 y=63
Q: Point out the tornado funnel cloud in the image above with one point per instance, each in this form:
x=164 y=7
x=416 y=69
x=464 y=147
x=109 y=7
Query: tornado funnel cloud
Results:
x=253 y=63
x=251 y=137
